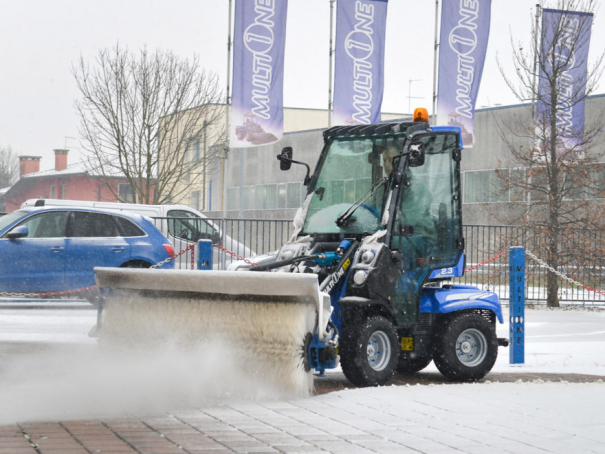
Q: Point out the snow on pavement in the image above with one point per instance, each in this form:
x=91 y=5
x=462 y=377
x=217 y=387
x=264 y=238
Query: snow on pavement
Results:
x=519 y=417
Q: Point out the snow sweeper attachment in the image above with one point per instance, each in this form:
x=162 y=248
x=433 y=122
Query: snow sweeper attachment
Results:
x=270 y=321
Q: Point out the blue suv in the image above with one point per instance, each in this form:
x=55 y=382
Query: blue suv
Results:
x=54 y=249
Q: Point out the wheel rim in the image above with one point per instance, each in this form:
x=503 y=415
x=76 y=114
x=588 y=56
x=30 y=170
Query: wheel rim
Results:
x=471 y=347
x=379 y=350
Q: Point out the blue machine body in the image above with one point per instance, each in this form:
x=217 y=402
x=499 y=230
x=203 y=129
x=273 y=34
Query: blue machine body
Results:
x=435 y=300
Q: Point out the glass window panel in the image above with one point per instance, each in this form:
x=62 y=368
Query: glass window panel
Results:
x=294 y=197
x=88 y=225
x=271 y=197
x=282 y=192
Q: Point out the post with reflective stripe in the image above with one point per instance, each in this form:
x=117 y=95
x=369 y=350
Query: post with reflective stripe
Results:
x=517 y=305
x=204 y=257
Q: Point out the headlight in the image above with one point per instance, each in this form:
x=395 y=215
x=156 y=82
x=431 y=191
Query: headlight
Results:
x=360 y=277
x=367 y=257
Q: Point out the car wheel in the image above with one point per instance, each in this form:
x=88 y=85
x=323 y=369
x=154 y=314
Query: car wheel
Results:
x=136 y=264
x=369 y=354
x=408 y=366
x=465 y=347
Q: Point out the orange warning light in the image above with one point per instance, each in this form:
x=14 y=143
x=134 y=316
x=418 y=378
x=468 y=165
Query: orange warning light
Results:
x=421 y=114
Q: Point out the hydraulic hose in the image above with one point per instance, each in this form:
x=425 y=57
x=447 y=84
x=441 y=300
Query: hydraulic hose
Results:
x=281 y=263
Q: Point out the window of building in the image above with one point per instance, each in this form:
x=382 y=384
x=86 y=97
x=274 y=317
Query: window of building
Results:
x=52 y=191
x=195 y=200
x=233 y=199
x=63 y=191
x=282 y=191
x=125 y=194
x=294 y=195
x=482 y=186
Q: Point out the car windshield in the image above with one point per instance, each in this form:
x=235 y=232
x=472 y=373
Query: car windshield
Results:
x=9 y=218
x=352 y=168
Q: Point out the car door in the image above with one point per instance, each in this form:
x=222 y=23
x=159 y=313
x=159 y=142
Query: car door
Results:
x=35 y=263
x=93 y=240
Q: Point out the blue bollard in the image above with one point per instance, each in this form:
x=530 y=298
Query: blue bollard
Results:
x=517 y=305
x=204 y=257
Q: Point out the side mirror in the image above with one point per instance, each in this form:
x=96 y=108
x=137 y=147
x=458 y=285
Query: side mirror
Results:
x=20 y=231
x=416 y=154
x=285 y=158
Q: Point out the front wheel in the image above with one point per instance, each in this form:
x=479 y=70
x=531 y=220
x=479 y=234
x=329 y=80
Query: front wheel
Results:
x=369 y=354
x=465 y=347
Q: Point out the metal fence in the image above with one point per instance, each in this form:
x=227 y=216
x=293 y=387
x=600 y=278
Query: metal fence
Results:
x=484 y=242
x=249 y=237
x=241 y=238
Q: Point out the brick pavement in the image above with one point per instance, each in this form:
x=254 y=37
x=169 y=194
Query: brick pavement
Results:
x=361 y=421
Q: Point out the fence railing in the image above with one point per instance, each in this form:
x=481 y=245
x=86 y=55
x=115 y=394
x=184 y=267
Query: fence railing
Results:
x=249 y=237
x=243 y=238
x=483 y=242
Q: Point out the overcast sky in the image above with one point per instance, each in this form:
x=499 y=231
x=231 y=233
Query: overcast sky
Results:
x=41 y=39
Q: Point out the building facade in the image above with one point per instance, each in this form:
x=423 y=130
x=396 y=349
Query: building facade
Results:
x=71 y=182
x=252 y=175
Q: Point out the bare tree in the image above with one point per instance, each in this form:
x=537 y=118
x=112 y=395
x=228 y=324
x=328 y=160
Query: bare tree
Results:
x=556 y=175
x=9 y=167
x=150 y=118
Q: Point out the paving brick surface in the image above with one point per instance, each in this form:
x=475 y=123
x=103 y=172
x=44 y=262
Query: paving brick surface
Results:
x=474 y=419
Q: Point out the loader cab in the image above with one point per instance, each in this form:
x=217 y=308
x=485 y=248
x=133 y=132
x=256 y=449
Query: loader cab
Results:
x=352 y=175
x=426 y=223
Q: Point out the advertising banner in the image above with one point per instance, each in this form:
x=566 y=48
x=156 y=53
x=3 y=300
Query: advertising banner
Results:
x=258 y=72
x=463 y=43
x=563 y=51
x=359 y=61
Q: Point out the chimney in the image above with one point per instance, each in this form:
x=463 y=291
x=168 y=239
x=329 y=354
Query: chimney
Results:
x=60 y=159
x=28 y=164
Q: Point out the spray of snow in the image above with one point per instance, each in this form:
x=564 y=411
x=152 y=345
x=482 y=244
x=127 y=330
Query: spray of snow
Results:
x=162 y=355
x=262 y=339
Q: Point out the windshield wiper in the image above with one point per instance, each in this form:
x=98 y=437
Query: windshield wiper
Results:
x=344 y=217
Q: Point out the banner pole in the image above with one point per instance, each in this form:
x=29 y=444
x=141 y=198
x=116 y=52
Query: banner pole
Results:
x=536 y=53
x=227 y=111
x=331 y=53
x=435 y=62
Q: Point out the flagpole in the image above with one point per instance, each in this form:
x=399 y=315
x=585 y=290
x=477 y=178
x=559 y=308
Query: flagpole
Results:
x=227 y=111
x=331 y=53
x=536 y=53
x=435 y=63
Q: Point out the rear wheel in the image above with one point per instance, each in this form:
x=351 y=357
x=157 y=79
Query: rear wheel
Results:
x=136 y=264
x=369 y=354
x=465 y=347
x=409 y=366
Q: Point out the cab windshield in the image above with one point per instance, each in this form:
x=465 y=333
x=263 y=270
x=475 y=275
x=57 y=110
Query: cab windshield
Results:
x=351 y=169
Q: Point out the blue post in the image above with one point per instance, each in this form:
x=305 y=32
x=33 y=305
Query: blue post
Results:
x=517 y=305
x=204 y=257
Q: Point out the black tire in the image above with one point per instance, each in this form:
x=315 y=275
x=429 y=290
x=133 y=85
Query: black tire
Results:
x=408 y=366
x=369 y=353
x=136 y=264
x=465 y=347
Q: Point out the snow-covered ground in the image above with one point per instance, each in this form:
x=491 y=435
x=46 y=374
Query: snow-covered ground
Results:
x=49 y=370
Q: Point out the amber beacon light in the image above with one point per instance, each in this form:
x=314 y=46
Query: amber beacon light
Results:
x=421 y=114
